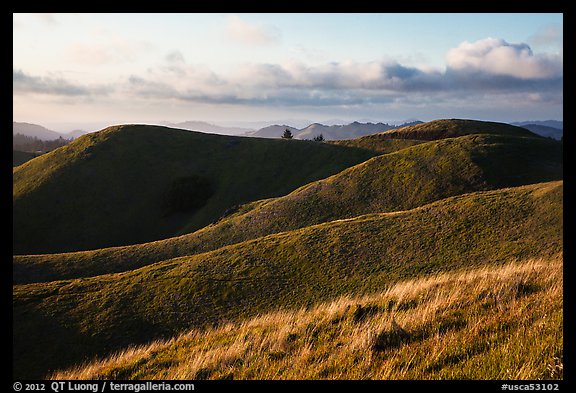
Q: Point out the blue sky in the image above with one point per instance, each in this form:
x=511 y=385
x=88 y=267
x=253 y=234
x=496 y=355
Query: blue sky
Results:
x=82 y=70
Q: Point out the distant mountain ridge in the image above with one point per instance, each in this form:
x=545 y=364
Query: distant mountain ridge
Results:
x=330 y=133
x=34 y=130
x=547 y=123
x=41 y=132
x=193 y=125
x=273 y=131
x=548 y=132
x=547 y=128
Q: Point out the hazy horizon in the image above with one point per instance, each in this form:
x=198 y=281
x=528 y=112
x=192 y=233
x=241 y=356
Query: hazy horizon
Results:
x=64 y=127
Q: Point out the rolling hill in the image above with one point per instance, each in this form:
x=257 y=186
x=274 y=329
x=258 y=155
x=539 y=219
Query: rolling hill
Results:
x=448 y=128
x=386 y=256
x=457 y=325
x=134 y=183
x=377 y=143
x=290 y=270
x=401 y=180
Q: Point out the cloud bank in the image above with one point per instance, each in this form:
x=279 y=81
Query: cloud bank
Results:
x=54 y=86
x=490 y=66
x=497 y=57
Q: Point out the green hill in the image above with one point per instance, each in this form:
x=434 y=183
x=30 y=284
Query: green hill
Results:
x=290 y=270
x=135 y=183
x=377 y=143
x=450 y=128
x=457 y=325
x=401 y=180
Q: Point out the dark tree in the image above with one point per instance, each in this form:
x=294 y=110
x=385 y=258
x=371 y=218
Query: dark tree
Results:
x=287 y=134
x=319 y=138
x=34 y=145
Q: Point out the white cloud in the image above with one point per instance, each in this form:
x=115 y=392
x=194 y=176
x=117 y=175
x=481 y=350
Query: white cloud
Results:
x=497 y=57
x=487 y=68
x=246 y=33
x=374 y=75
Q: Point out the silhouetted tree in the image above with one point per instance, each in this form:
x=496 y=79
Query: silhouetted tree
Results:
x=287 y=134
x=319 y=138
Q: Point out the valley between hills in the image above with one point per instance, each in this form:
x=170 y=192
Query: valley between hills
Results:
x=431 y=251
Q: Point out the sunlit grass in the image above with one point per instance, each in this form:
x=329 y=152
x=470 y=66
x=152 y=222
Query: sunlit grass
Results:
x=489 y=323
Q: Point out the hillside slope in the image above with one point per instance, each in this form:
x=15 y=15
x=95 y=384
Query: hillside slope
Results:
x=401 y=180
x=377 y=143
x=94 y=316
x=492 y=323
x=134 y=183
x=450 y=128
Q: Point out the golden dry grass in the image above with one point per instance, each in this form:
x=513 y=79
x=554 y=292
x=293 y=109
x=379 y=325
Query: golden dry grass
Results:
x=491 y=323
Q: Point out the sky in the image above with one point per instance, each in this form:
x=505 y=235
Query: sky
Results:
x=76 y=71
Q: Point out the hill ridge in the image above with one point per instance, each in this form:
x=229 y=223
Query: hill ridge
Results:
x=281 y=227
x=132 y=170
x=396 y=181
x=448 y=128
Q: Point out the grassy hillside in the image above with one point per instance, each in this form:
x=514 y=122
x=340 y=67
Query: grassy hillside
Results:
x=377 y=143
x=60 y=323
x=492 y=323
x=135 y=183
x=450 y=128
x=401 y=180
